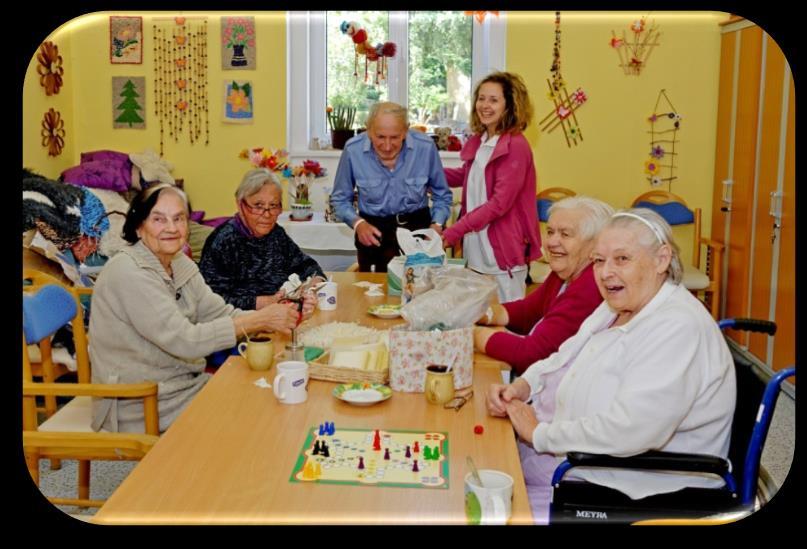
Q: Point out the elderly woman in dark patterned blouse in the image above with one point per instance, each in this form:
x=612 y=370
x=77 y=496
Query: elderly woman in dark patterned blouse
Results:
x=247 y=259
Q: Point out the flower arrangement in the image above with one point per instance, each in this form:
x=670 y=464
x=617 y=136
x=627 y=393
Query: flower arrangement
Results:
x=239 y=32
x=341 y=117
x=302 y=176
x=274 y=160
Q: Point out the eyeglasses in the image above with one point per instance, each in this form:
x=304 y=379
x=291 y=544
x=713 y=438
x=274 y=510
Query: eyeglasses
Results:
x=260 y=210
x=459 y=400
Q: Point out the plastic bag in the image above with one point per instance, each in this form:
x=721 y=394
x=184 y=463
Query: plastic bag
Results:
x=422 y=254
x=453 y=298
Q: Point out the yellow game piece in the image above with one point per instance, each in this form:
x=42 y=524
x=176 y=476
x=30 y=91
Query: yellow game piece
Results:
x=308 y=471
x=317 y=470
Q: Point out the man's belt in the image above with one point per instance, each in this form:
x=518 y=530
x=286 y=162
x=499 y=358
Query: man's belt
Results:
x=420 y=216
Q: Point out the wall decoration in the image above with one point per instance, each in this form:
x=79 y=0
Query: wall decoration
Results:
x=53 y=132
x=125 y=40
x=129 y=102
x=238 y=43
x=180 y=78
x=634 y=52
x=480 y=15
x=663 y=137
x=363 y=46
x=565 y=105
x=49 y=68
x=238 y=107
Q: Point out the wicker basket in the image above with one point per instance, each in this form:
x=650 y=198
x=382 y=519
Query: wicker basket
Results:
x=319 y=369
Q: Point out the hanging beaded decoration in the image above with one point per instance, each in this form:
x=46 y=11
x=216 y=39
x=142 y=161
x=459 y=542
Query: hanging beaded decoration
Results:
x=180 y=78
x=663 y=136
x=563 y=113
x=633 y=54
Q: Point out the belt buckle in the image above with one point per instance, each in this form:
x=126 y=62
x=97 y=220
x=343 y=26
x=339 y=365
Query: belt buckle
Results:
x=398 y=220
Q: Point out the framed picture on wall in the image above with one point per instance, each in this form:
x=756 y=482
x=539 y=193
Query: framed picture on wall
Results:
x=129 y=102
x=125 y=40
x=238 y=43
x=238 y=106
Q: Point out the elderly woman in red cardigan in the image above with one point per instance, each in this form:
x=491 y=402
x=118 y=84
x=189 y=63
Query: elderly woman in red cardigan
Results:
x=540 y=322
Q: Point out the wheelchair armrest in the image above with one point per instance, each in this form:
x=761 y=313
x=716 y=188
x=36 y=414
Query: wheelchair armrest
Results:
x=654 y=459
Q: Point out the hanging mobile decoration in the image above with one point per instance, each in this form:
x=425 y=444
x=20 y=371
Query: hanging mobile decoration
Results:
x=633 y=54
x=53 y=132
x=378 y=53
x=563 y=114
x=663 y=137
x=49 y=68
x=180 y=78
x=479 y=15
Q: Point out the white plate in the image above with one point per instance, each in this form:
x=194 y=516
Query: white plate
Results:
x=362 y=394
x=385 y=311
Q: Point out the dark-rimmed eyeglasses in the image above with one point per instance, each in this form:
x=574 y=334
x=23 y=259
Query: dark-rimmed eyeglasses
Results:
x=259 y=209
x=459 y=400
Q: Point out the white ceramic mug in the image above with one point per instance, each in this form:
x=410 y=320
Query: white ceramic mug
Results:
x=492 y=504
x=291 y=381
x=326 y=296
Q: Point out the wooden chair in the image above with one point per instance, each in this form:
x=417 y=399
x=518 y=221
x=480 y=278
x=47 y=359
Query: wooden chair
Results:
x=700 y=278
x=539 y=269
x=67 y=434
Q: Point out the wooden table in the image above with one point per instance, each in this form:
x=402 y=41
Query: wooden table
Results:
x=228 y=458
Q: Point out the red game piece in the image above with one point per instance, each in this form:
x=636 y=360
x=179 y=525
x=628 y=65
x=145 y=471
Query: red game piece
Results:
x=377 y=441
x=479 y=429
x=416 y=449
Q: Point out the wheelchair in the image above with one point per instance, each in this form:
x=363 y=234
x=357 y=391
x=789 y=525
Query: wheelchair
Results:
x=577 y=502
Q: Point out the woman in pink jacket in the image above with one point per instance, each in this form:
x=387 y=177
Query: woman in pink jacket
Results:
x=498 y=222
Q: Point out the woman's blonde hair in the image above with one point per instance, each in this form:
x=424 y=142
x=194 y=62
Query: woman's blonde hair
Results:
x=518 y=107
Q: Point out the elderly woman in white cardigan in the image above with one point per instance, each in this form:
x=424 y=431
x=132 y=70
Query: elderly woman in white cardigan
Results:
x=154 y=318
x=648 y=370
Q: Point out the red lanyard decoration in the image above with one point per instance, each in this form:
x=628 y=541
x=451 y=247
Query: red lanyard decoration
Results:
x=363 y=46
x=662 y=143
x=563 y=114
x=633 y=55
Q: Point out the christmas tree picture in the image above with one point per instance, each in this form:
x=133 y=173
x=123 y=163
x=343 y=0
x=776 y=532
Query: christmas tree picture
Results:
x=129 y=112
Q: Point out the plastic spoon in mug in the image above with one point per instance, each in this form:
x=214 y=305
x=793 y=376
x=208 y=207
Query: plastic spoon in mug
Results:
x=474 y=472
x=452 y=359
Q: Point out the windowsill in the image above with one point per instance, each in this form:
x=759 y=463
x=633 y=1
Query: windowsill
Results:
x=336 y=153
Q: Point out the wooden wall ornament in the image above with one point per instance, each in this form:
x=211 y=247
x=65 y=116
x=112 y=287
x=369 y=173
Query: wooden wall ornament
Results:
x=565 y=104
x=181 y=78
x=634 y=52
x=663 y=138
x=125 y=40
x=479 y=15
x=129 y=102
x=49 y=68
x=53 y=132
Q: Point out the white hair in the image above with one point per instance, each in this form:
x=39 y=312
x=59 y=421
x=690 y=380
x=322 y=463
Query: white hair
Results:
x=254 y=180
x=596 y=213
x=653 y=232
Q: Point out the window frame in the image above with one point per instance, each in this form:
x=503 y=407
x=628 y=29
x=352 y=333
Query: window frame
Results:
x=306 y=67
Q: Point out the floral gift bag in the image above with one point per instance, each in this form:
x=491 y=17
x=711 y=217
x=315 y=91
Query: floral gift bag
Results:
x=411 y=351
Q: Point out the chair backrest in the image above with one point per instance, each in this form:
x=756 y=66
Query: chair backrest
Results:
x=545 y=198
x=34 y=280
x=675 y=211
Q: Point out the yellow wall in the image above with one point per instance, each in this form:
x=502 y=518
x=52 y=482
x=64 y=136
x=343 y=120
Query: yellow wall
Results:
x=609 y=163
x=212 y=172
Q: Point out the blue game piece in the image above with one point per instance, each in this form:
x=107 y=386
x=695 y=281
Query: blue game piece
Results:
x=321 y=429
x=331 y=429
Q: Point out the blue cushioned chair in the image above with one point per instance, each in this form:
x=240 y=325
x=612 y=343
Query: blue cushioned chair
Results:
x=703 y=280
x=67 y=433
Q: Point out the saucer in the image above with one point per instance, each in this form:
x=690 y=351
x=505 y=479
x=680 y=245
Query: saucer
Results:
x=386 y=311
x=362 y=393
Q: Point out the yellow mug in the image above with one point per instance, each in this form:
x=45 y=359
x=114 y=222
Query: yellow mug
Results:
x=259 y=352
x=439 y=384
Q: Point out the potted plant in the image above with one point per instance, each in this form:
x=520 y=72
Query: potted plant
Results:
x=340 y=120
x=300 y=179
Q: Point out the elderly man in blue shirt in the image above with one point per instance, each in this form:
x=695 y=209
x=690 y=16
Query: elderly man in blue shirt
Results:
x=393 y=169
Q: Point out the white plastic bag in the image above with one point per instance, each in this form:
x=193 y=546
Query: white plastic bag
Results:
x=423 y=250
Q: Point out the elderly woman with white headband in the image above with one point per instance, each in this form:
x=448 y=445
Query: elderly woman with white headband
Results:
x=648 y=370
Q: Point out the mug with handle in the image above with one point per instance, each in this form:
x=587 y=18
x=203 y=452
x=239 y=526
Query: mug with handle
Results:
x=290 y=382
x=258 y=352
x=492 y=502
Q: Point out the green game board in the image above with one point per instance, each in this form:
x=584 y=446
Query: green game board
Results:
x=346 y=446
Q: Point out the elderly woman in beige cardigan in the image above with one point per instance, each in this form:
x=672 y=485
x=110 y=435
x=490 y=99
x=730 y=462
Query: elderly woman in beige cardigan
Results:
x=154 y=318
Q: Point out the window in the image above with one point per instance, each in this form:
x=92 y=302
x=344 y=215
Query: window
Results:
x=440 y=56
